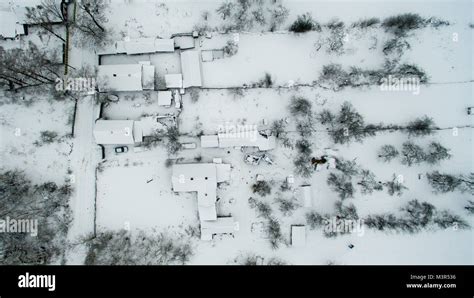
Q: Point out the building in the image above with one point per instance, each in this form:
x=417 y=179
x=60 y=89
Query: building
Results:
x=298 y=236
x=114 y=132
x=191 y=69
x=136 y=46
x=126 y=77
x=222 y=225
x=210 y=141
x=174 y=80
x=10 y=26
x=306 y=194
x=164 y=98
x=202 y=179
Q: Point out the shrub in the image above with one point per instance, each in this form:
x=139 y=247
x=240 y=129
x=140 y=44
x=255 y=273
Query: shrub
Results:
x=443 y=183
x=395 y=46
x=445 y=220
x=326 y=117
x=262 y=188
x=274 y=234
x=300 y=106
x=436 y=153
x=341 y=184
x=315 y=220
x=231 y=48
x=401 y=24
x=47 y=137
x=366 y=23
x=286 y=206
x=194 y=94
x=263 y=209
x=412 y=154
x=304 y=23
x=368 y=183
x=387 y=152
x=278 y=127
x=304 y=147
x=347 y=167
x=303 y=166
x=173 y=145
x=395 y=186
x=470 y=207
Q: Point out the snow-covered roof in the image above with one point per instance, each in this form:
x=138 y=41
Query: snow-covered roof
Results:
x=19 y=7
x=120 y=77
x=306 y=193
x=9 y=24
x=114 y=132
x=298 y=236
x=164 y=98
x=184 y=42
x=148 y=45
x=203 y=179
x=222 y=225
x=174 y=80
x=210 y=141
x=223 y=172
x=191 y=69
x=246 y=139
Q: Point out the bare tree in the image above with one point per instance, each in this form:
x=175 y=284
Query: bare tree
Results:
x=48 y=15
x=90 y=21
x=28 y=67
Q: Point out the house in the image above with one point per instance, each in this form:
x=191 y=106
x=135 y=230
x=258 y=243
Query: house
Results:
x=10 y=26
x=184 y=42
x=306 y=194
x=298 y=236
x=114 y=132
x=174 y=80
x=222 y=225
x=126 y=77
x=246 y=139
x=191 y=69
x=136 y=46
x=202 y=179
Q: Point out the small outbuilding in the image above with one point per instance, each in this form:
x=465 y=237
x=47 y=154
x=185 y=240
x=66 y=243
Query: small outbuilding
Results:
x=306 y=194
x=298 y=236
x=114 y=132
x=164 y=98
x=222 y=225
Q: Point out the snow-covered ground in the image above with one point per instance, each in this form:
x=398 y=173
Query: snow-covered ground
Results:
x=133 y=191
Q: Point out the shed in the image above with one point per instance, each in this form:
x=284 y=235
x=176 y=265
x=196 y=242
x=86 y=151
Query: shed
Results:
x=120 y=77
x=209 y=141
x=164 y=98
x=191 y=68
x=306 y=193
x=184 y=42
x=298 y=236
x=114 y=132
x=174 y=80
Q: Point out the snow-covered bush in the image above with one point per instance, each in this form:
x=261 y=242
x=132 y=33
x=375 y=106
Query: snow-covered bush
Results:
x=263 y=208
x=305 y=127
x=387 y=152
x=403 y=23
x=300 y=106
x=273 y=231
x=367 y=182
x=395 y=47
x=349 y=125
x=315 y=220
x=347 y=167
x=287 y=205
x=444 y=182
x=335 y=41
x=47 y=137
x=436 y=153
x=262 y=188
x=48 y=204
x=121 y=248
x=302 y=162
x=412 y=154
x=341 y=184
x=304 y=23
x=326 y=117
x=395 y=186
x=278 y=16
x=231 y=48
x=173 y=145
x=416 y=217
x=194 y=94
x=366 y=23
